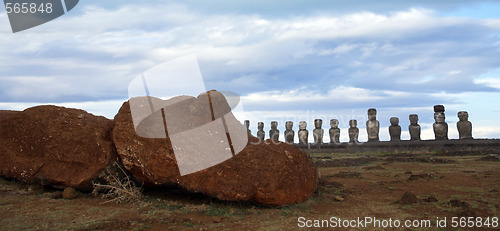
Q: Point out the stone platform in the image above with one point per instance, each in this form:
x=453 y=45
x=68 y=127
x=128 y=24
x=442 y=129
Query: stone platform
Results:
x=472 y=146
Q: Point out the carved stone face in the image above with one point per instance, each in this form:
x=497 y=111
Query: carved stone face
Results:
x=302 y=125
x=334 y=123
x=353 y=123
x=414 y=119
x=318 y=123
x=274 y=124
x=260 y=125
x=439 y=117
x=289 y=125
x=394 y=121
x=463 y=115
x=372 y=114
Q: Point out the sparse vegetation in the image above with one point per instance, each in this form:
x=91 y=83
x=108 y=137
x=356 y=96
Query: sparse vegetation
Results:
x=118 y=190
x=375 y=192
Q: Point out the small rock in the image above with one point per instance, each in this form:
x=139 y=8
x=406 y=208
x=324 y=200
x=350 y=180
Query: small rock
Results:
x=431 y=199
x=466 y=213
x=459 y=203
x=424 y=176
x=338 y=198
x=408 y=198
x=491 y=157
x=55 y=195
x=69 y=193
x=217 y=220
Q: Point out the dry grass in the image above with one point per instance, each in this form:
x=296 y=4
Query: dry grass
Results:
x=118 y=190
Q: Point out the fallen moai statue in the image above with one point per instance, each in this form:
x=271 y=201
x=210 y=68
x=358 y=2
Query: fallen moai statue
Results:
x=271 y=173
x=56 y=146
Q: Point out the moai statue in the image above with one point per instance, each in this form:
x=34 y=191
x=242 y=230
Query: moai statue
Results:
x=440 y=126
x=372 y=125
x=464 y=126
x=353 y=131
x=247 y=124
x=260 y=133
x=318 y=131
x=303 y=133
x=414 y=128
x=274 y=133
x=289 y=133
x=395 y=129
x=334 y=131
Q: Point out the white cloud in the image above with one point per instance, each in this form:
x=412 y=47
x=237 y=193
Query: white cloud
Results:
x=404 y=59
x=106 y=108
x=302 y=95
x=492 y=82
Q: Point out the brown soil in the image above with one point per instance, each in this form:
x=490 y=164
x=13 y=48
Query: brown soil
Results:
x=464 y=187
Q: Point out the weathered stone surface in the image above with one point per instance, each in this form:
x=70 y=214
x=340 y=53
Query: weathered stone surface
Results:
x=247 y=125
x=372 y=125
x=303 y=133
x=6 y=113
x=272 y=173
x=464 y=126
x=440 y=126
x=318 y=131
x=289 y=132
x=260 y=133
x=55 y=146
x=69 y=193
x=408 y=198
x=395 y=129
x=353 y=131
x=334 y=131
x=414 y=127
x=274 y=133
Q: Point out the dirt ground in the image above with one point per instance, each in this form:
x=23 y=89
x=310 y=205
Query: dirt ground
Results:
x=352 y=186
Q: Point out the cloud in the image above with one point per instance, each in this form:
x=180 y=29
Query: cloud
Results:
x=328 y=59
x=340 y=97
x=492 y=82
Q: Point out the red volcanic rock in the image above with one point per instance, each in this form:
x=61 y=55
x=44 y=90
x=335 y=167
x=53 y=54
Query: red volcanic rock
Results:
x=271 y=174
x=6 y=113
x=55 y=146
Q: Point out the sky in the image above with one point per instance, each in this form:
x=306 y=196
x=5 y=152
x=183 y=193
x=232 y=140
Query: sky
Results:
x=288 y=60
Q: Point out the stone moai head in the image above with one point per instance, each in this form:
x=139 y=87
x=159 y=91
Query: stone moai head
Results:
x=302 y=125
x=334 y=123
x=247 y=123
x=394 y=121
x=288 y=125
x=353 y=123
x=413 y=119
x=318 y=123
x=260 y=125
x=463 y=116
x=372 y=114
x=274 y=124
x=439 y=116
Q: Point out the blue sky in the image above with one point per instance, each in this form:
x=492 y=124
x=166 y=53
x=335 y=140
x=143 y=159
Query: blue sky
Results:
x=289 y=60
